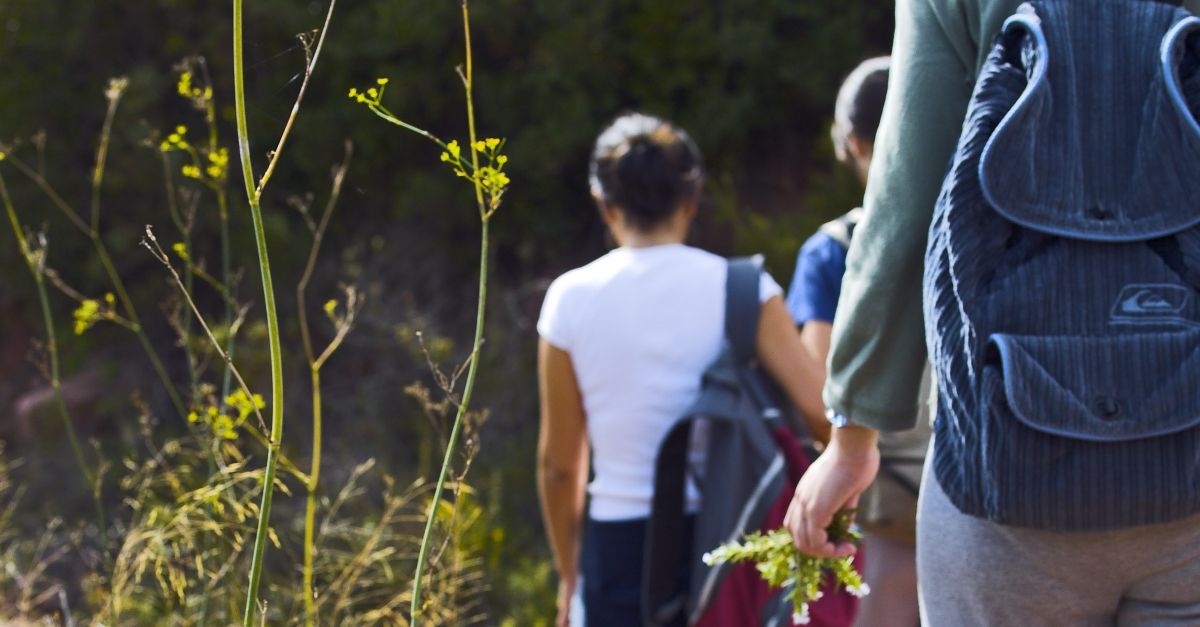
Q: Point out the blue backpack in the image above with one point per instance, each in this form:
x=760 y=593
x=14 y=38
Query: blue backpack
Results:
x=1063 y=269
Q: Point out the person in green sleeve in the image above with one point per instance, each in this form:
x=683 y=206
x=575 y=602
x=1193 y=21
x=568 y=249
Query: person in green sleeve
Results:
x=970 y=571
x=887 y=511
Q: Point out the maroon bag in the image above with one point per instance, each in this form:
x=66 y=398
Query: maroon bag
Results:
x=745 y=599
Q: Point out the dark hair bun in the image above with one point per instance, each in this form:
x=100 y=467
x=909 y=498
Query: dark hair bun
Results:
x=646 y=167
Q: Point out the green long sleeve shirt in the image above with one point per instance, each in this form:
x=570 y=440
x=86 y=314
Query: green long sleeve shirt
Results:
x=878 y=347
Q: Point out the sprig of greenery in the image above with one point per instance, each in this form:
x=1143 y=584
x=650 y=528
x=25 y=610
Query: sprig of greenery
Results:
x=781 y=565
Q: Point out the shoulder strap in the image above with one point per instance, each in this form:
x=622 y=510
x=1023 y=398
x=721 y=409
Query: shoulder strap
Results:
x=841 y=228
x=742 y=306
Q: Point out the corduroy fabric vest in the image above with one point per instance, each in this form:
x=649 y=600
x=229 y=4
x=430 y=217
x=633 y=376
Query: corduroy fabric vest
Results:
x=1063 y=269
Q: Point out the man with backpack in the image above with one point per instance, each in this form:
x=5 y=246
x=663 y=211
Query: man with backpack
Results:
x=1060 y=307
x=887 y=511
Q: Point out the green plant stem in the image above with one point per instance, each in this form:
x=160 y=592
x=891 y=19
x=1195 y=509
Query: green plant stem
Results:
x=310 y=508
x=260 y=240
x=469 y=386
x=226 y=278
x=185 y=232
x=52 y=349
x=314 y=363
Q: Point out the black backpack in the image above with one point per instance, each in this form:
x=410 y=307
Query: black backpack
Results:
x=753 y=460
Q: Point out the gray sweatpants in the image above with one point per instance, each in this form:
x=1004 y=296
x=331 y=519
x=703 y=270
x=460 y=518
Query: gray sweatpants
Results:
x=974 y=572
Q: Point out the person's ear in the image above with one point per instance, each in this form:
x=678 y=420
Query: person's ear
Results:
x=611 y=216
x=861 y=152
x=860 y=149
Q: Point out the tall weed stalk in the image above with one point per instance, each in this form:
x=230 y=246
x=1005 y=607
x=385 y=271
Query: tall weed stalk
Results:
x=254 y=196
x=489 y=182
x=343 y=324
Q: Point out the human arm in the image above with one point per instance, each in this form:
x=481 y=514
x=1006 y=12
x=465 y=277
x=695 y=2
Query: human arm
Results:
x=832 y=483
x=877 y=350
x=878 y=341
x=815 y=335
x=562 y=465
x=797 y=370
x=812 y=298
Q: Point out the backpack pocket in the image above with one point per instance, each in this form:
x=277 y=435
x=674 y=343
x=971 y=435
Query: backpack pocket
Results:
x=1080 y=433
x=1101 y=389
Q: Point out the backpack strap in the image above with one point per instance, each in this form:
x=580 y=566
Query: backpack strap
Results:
x=664 y=593
x=664 y=596
x=742 y=306
x=841 y=228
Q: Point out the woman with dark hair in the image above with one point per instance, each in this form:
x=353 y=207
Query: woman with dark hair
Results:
x=887 y=511
x=624 y=341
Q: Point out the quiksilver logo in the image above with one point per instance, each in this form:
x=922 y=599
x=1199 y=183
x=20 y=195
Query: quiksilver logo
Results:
x=1153 y=303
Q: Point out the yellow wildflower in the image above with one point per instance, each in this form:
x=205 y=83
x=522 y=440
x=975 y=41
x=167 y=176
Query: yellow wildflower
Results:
x=185 y=84
x=86 y=315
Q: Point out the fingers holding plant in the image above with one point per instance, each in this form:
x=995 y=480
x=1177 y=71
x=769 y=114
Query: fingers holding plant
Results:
x=832 y=484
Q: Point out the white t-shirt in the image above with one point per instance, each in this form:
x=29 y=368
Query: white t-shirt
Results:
x=641 y=325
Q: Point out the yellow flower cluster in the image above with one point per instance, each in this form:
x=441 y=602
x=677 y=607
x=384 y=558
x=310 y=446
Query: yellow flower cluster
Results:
x=86 y=315
x=218 y=164
x=176 y=141
x=372 y=95
x=491 y=176
x=187 y=90
x=89 y=312
x=225 y=425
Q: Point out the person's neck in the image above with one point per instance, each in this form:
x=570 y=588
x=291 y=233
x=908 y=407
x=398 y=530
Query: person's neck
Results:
x=648 y=240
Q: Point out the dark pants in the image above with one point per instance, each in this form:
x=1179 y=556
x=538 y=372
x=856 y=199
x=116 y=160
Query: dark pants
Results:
x=611 y=565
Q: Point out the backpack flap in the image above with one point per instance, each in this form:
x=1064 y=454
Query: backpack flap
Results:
x=1102 y=389
x=1080 y=433
x=1047 y=169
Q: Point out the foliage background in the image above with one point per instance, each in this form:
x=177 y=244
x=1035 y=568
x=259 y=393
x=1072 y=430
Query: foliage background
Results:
x=753 y=80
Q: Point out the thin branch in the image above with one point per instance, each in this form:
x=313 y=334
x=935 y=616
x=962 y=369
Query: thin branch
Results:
x=50 y=193
x=287 y=128
x=339 y=176
x=151 y=244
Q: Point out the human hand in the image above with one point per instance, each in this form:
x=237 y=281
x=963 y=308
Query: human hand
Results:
x=832 y=483
x=566 y=592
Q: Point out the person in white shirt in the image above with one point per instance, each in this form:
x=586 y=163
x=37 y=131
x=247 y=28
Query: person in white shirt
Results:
x=623 y=343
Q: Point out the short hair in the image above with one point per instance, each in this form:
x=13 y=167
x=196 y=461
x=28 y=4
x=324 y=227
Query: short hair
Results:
x=860 y=105
x=646 y=167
